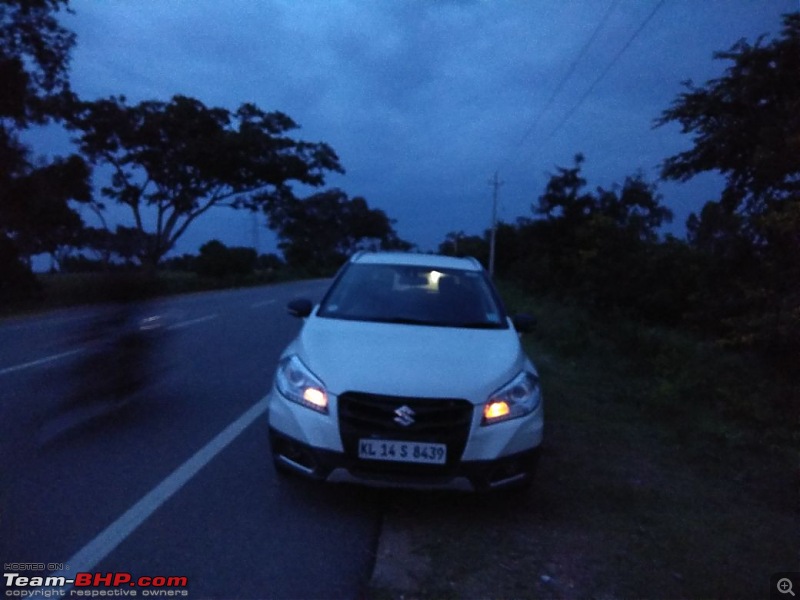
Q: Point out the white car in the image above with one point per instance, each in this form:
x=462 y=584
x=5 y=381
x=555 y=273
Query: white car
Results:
x=408 y=373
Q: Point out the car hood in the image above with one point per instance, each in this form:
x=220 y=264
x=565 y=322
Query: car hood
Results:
x=409 y=360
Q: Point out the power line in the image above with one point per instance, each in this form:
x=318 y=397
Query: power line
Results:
x=605 y=71
x=495 y=183
x=570 y=71
x=559 y=87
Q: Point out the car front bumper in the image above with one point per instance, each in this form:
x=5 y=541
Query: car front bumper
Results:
x=337 y=467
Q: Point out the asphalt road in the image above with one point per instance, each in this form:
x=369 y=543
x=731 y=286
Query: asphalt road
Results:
x=178 y=481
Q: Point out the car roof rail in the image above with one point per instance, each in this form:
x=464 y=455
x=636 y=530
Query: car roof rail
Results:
x=475 y=261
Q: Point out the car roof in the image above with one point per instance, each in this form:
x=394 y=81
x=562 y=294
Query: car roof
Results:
x=434 y=261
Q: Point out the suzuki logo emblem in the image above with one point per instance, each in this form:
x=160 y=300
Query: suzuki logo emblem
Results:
x=404 y=416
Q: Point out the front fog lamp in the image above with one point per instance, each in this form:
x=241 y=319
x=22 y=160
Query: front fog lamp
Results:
x=296 y=383
x=516 y=399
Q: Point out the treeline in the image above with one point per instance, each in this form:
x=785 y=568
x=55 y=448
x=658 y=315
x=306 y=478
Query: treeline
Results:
x=737 y=274
x=601 y=249
x=165 y=164
x=315 y=236
x=215 y=260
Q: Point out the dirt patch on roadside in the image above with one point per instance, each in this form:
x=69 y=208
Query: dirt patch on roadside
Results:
x=399 y=565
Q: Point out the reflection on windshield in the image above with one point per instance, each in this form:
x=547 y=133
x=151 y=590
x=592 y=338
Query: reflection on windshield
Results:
x=414 y=295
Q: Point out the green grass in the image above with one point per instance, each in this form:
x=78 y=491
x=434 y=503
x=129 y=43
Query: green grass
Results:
x=669 y=470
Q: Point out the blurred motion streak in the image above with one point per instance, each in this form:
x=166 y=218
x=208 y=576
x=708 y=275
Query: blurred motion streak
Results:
x=118 y=363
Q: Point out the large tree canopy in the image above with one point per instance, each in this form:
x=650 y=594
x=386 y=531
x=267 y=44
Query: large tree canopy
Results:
x=746 y=124
x=635 y=207
x=34 y=205
x=35 y=214
x=321 y=231
x=34 y=58
x=174 y=161
x=600 y=246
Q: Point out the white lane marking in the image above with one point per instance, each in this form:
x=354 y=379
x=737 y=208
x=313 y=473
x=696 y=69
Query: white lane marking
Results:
x=54 y=357
x=193 y=321
x=41 y=361
x=88 y=557
x=264 y=303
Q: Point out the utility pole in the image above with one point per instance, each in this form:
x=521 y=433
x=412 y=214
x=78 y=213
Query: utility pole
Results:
x=495 y=183
x=255 y=232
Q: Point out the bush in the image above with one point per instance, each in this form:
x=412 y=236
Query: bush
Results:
x=218 y=261
x=17 y=281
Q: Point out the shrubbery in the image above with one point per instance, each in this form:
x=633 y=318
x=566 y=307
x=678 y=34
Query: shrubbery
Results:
x=218 y=261
x=17 y=282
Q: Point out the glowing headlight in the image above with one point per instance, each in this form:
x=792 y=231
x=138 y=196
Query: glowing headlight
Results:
x=517 y=398
x=296 y=383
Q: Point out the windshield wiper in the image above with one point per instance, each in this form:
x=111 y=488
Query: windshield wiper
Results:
x=478 y=325
x=408 y=321
x=467 y=325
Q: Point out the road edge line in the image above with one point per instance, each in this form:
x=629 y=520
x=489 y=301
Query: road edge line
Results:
x=114 y=534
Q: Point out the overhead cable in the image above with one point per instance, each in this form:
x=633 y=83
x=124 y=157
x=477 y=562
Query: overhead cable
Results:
x=570 y=71
x=605 y=71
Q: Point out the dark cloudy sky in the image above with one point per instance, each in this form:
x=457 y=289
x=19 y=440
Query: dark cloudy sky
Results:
x=424 y=100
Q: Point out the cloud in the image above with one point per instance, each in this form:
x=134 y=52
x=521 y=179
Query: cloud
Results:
x=424 y=100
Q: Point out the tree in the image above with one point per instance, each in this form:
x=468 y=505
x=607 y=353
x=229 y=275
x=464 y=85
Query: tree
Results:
x=125 y=244
x=458 y=243
x=562 y=198
x=35 y=214
x=635 y=207
x=174 y=161
x=218 y=260
x=35 y=205
x=269 y=262
x=34 y=60
x=321 y=231
x=594 y=246
x=185 y=262
x=746 y=126
x=16 y=280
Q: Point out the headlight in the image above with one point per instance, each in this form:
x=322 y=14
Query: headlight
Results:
x=296 y=383
x=517 y=398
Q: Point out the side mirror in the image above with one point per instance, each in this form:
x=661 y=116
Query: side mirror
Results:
x=300 y=307
x=524 y=323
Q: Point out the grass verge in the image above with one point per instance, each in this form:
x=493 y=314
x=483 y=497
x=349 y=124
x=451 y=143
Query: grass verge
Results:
x=669 y=470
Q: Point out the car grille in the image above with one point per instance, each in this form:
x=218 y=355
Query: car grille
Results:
x=435 y=420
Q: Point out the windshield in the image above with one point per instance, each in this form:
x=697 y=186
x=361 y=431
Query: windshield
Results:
x=414 y=295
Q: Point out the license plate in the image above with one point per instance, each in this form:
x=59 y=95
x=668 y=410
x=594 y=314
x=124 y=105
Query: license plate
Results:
x=398 y=451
